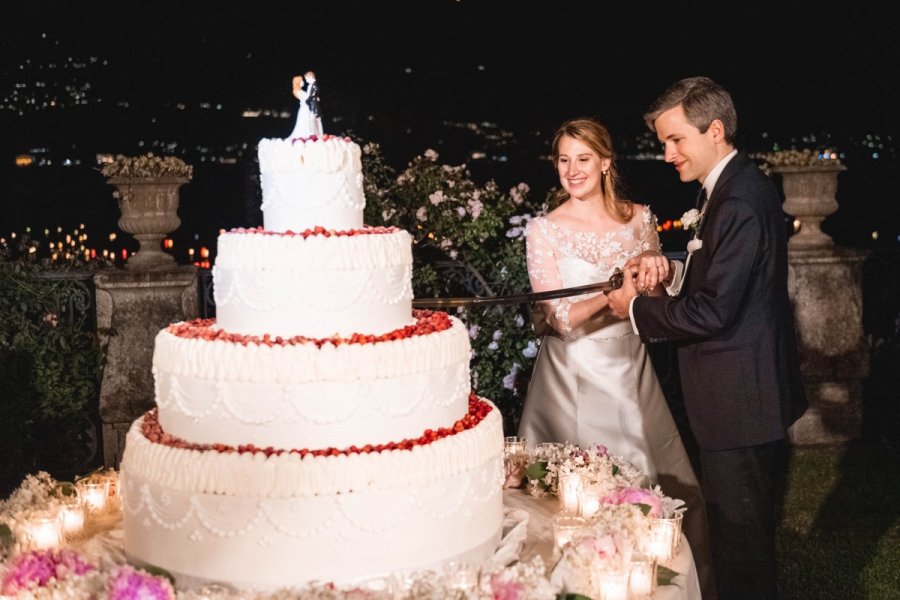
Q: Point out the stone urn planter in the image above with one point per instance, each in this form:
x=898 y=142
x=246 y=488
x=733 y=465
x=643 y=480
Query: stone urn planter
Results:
x=147 y=191
x=149 y=211
x=810 y=196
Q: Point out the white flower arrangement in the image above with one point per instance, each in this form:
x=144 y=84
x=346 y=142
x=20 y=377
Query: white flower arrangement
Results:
x=599 y=467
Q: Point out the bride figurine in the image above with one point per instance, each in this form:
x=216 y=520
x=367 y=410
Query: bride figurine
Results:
x=306 y=125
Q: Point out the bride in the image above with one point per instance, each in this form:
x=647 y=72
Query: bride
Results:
x=593 y=381
x=305 y=126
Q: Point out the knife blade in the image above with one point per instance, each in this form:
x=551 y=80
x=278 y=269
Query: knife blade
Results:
x=614 y=282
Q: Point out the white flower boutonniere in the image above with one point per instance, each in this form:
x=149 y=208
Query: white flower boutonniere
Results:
x=691 y=220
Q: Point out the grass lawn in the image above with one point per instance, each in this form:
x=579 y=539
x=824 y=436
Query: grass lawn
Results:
x=840 y=532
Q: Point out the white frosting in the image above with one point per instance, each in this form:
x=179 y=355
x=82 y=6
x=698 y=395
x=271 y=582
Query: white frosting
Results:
x=311 y=183
x=316 y=286
x=266 y=522
x=280 y=521
x=303 y=396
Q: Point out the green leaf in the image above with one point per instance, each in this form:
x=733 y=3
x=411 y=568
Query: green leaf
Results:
x=537 y=471
x=6 y=535
x=665 y=575
x=572 y=597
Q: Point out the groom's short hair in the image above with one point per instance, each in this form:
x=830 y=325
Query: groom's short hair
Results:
x=703 y=101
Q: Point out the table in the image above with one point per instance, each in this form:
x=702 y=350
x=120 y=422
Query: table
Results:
x=539 y=540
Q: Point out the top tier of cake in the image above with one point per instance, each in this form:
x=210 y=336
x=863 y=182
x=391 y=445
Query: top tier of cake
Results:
x=309 y=183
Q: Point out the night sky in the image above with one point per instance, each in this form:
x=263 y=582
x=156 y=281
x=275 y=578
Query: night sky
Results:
x=794 y=68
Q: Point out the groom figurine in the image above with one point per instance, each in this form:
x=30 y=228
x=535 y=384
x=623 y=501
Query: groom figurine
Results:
x=312 y=100
x=732 y=322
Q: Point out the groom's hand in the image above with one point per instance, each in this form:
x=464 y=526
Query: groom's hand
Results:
x=652 y=269
x=620 y=299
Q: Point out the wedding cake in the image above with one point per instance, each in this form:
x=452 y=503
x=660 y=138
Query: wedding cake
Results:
x=319 y=429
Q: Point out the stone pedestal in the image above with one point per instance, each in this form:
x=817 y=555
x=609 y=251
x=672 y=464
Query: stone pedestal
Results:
x=825 y=285
x=132 y=307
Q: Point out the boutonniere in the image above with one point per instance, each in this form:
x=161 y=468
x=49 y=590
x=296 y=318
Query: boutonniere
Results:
x=691 y=220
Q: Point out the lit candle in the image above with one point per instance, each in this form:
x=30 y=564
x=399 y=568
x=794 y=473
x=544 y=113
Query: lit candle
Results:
x=565 y=528
x=461 y=576
x=73 y=515
x=613 y=585
x=588 y=501
x=642 y=576
x=661 y=540
x=570 y=486
x=94 y=493
x=44 y=530
x=513 y=446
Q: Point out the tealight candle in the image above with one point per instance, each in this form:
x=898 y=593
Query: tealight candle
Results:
x=661 y=539
x=94 y=494
x=642 y=576
x=461 y=576
x=513 y=446
x=613 y=585
x=72 y=515
x=565 y=528
x=570 y=486
x=588 y=501
x=44 y=530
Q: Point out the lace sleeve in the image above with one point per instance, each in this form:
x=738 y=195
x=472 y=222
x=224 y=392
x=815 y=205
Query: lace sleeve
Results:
x=649 y=234
x=544 y=275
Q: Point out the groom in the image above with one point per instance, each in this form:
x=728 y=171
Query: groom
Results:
x=732 y=322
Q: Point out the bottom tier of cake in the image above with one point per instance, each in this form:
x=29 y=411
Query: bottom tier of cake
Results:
x=266 y=520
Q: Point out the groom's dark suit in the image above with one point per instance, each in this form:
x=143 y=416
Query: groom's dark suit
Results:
x=733 y=325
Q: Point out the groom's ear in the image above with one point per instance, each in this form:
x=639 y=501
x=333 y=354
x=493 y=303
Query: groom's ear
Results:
x=718 y=130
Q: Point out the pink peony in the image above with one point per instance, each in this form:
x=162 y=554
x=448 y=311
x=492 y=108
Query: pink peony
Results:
x=129 y=583
x=632 y=495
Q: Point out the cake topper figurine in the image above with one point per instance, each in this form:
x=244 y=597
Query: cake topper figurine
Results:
x=309 y=117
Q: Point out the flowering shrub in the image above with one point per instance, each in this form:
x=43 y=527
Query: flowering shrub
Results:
x=477 y=233
x=147 y=165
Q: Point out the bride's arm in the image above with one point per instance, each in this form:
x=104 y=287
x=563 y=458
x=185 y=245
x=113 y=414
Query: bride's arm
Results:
x=562 y=314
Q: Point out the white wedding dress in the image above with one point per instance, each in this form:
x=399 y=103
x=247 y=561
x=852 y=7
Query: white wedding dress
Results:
x=596 y=384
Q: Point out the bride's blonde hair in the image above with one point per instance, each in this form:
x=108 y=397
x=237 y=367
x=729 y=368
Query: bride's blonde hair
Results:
x=591 y=132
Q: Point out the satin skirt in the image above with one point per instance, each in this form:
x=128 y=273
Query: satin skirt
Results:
x=602 y=389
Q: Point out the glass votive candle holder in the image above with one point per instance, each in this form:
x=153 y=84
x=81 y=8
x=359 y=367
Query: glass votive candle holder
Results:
x=588 y=500
x=462 y=576
x=642 y=577
x=570 y=486
x=611 y=584
x=43 y=530
x=73 y=515
x=94 y=493
x=660 y=541
x=513 y=446
x=565 y=529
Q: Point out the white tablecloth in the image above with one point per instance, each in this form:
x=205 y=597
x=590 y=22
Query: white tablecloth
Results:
x=539 y=540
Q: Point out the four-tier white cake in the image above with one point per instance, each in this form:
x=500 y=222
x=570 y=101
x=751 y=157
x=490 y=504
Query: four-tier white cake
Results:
x=318 y=428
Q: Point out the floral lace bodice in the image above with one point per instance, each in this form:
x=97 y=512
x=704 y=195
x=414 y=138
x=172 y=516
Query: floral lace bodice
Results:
x=559 y=257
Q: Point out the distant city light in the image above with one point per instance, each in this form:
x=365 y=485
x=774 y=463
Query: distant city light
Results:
x=874 y=235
